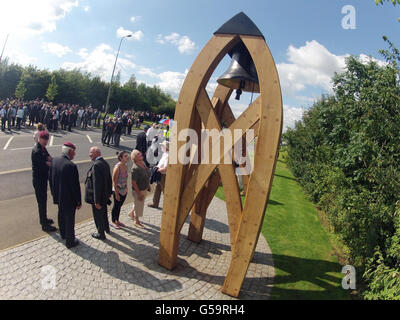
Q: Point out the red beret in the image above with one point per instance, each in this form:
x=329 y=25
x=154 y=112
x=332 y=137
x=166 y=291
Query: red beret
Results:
x=70 y=145
x=43 y=134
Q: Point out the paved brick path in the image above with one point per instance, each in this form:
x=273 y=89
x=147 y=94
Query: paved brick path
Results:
x=125 y=265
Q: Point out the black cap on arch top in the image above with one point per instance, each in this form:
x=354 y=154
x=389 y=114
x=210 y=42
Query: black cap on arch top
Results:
x=240 y=24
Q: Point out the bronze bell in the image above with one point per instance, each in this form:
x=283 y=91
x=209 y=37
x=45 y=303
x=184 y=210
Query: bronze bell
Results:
x=241 y=74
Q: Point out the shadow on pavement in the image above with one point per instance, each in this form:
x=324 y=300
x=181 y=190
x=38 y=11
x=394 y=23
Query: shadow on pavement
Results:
x=111 y=264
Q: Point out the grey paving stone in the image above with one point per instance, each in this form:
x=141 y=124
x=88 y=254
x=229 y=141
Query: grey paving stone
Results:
x=125 y=266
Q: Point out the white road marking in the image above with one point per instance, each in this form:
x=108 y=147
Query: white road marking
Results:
x=90 y=140
x=122 y=140
x=17 y=149
x=30 y=169
x=8 y=143
x=51 y=141
x=26 y=148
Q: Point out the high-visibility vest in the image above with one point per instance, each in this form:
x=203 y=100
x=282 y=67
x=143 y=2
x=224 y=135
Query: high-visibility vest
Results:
x=166 y=134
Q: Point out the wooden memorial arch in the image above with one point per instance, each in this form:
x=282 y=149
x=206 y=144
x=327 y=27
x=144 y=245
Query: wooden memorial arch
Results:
x=191 y=187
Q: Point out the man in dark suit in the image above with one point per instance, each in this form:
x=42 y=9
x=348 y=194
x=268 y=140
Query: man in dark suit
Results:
x=117 y=132
x=41 y=162
x=98 y=190
x=66 y=191
x=141 y=143
x=109 y=131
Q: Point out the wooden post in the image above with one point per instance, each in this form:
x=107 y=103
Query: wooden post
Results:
x=198 y=216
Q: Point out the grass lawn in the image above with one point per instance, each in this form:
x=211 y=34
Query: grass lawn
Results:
x=306 y=265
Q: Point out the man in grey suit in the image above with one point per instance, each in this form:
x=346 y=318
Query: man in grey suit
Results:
x=98 y=190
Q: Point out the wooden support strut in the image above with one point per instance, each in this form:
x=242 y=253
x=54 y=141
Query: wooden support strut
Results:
x=198 y=216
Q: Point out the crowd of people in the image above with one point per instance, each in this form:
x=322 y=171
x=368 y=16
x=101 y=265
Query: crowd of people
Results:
x=15 y=114
x=100 y=184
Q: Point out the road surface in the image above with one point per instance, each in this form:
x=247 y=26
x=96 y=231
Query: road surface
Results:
x=19 y=218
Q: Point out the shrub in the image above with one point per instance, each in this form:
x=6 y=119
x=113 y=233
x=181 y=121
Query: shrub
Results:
x=346 y=154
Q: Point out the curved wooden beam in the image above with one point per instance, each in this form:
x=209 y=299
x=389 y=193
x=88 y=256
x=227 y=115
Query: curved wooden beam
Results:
x=266 y=153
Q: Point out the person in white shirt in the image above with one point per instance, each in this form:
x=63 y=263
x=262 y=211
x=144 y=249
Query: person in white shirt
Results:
x=80 y=113
x=151 y=133
x=162 y=168
x=3 y=117
x=20 y=115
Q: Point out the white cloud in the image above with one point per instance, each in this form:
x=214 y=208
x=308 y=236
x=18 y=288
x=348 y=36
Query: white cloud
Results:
x=310 y=65
x=100 y=62
x=168 y=81
x=129 y=56
x=27 y=17
x=147 y=72
x=211 y=86
x=56 y=49
x=121 y=32
x=86 y=8
x=291 y=115
x=171 y=82
x=83 y=53
x=184 y=44
x=135 y=18
x=237 y=107
x=366 y=59
x=21 y=58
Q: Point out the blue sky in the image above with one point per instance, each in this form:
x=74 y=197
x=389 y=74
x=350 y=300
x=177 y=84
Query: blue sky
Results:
x=306 y=38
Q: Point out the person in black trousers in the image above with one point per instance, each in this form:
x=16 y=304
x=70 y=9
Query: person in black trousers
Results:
x=109 y=131
x=71 y=120
x=117 y=132
x=98 y=190
x=141 y=143
x=41 y=162
x=104 y=130
x=120 y=187
x=66 y=191
x=130 y=124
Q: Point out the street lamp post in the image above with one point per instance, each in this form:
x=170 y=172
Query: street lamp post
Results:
x=112 y=75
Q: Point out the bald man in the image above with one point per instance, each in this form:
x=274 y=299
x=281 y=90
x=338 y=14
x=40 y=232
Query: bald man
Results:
x=98 y=190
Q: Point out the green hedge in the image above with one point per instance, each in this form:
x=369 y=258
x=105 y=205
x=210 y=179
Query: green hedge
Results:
x=346 y=154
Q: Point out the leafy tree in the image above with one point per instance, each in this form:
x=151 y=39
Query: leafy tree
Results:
x=20 y=90
x=97 y=93
x=36 y=81
x=52 y=89
x=392 y=55
x=392 y=1
x=381 y=2
x=77 y=87
x=10 y=75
